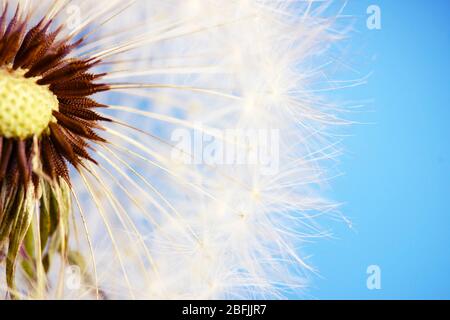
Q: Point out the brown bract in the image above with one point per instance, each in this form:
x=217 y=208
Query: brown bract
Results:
x=45 y=56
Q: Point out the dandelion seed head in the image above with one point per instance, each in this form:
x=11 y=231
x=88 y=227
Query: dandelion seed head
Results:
x=141 y=220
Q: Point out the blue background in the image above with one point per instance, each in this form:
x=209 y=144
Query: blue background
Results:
x=397 y=168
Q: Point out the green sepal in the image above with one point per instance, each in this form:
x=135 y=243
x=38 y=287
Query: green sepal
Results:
x=20 y=227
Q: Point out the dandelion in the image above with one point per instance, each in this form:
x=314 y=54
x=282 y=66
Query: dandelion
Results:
x=47 y=121
x=97 y=198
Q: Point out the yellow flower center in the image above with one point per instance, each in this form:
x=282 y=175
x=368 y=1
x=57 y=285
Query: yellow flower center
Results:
x=25 y=107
